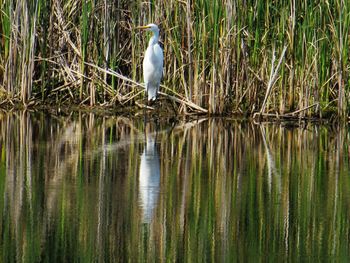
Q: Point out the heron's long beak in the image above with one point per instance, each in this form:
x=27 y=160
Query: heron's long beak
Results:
x=142 y=27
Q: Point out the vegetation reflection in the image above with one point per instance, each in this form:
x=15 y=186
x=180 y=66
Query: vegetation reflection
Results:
x=111 y=189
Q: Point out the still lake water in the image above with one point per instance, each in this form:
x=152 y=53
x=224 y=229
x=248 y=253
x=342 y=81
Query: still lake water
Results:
x=83 y=188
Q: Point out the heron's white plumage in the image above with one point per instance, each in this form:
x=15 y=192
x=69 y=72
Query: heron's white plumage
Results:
x=153 y=63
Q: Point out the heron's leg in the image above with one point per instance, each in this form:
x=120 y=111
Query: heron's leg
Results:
x=172 y=104
x=156 y=121
x=145 y=99
x=145 y=120
x=146 y=93
x=146 y=89
x=158 y=85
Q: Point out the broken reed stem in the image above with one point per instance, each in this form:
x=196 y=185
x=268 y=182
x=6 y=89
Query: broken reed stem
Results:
x=175 y=98
x=273 y=76
x=301 y=110
x=286 y=115
x=189 y=41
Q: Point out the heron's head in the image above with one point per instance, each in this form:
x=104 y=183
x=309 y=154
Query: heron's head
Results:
x=150 y=27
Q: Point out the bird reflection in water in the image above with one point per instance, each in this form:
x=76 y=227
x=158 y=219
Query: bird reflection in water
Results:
x=149 y=178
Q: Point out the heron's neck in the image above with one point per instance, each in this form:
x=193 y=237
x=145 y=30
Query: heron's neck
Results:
x=154 y=39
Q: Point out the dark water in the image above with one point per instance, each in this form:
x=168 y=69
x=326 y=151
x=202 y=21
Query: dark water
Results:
x=83 y=188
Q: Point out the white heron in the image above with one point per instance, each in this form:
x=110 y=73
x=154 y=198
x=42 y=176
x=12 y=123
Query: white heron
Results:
x=152 y=63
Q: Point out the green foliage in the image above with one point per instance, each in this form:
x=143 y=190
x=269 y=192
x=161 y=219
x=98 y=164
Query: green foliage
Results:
x=217 y=53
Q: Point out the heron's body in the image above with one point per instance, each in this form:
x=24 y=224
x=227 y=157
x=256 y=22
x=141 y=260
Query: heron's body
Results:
x=153 y=64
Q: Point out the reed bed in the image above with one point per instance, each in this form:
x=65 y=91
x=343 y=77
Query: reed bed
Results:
x=227 y=57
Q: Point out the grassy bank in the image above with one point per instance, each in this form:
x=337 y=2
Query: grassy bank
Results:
x=225 y=56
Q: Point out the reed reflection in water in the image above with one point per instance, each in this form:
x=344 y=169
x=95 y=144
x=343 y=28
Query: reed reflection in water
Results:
x=73 y=188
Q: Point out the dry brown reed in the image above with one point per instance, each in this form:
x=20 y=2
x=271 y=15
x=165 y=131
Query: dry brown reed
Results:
x=218 y=54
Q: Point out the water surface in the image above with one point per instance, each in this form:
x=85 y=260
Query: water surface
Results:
x=84 y=188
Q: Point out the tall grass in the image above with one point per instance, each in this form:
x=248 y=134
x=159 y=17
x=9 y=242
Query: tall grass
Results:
x=218 y=53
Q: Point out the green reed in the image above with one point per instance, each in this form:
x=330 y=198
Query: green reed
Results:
x=217 y=53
